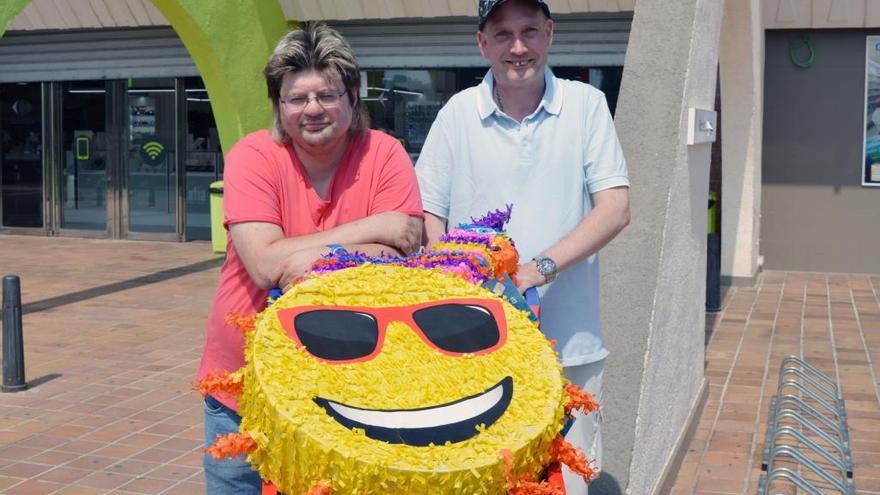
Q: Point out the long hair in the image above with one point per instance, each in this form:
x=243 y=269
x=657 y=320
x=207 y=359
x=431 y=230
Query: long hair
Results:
x=318 y=47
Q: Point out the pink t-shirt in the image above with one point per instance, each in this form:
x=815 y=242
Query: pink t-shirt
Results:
x=263 y=181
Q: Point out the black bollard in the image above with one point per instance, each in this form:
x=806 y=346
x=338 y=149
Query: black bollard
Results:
x=13 y=343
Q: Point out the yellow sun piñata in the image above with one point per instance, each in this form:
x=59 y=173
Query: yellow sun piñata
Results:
x=404 y=376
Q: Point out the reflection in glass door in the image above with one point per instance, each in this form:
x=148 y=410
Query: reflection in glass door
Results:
x=21 y=155
x=150 y=165
x=84 y=150
x=203 y=159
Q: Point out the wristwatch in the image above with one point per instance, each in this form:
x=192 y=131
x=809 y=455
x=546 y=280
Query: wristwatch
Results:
x=546 y=267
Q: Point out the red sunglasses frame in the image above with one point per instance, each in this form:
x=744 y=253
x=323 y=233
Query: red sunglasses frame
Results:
x=404 y=314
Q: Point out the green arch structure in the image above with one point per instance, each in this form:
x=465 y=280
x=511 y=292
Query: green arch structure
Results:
x=229 y=41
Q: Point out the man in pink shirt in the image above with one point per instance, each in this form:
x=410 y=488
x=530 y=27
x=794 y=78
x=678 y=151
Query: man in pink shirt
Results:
x=319 y=178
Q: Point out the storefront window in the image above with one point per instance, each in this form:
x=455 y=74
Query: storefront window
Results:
x=203 y=159
x=405 y=102
x=21 y=155
x=605 y=79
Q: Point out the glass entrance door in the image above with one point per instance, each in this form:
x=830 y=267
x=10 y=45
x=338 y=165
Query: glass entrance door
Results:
x=105 y=158
x=85 y=152
x=21 y=155
x=150 y=205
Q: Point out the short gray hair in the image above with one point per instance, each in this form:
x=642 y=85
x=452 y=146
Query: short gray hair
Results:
x=318 y=47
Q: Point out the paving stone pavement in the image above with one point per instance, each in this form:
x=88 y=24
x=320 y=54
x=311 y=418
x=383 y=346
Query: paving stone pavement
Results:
x=113 y=333
x=833 y=321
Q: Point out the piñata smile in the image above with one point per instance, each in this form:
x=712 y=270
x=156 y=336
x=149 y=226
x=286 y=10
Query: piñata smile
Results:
x=451 y=422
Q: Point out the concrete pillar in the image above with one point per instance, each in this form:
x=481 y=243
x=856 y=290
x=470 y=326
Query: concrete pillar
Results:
x=742 y=98
x=653 y=276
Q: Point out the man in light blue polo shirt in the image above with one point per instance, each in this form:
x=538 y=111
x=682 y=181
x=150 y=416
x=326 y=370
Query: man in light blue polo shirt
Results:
x=547 y=146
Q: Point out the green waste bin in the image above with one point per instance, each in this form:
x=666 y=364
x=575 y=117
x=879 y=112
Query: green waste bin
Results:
x=713 y=257
x=218 y=233
x=712 y=226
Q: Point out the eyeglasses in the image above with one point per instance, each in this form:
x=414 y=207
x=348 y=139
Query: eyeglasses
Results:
x=326 y=100
x=353 y=334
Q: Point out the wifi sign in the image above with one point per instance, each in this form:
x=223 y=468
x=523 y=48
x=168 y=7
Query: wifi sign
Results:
x=152 y=151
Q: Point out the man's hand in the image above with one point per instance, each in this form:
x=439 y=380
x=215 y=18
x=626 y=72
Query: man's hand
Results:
x=434 y=228
x=398 y=230
x=295 y=265
x=528 y=276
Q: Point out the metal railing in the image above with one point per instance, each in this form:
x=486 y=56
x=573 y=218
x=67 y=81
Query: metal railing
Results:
x=807 y=445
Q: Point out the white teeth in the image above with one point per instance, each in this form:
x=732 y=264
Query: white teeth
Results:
x=424 y=418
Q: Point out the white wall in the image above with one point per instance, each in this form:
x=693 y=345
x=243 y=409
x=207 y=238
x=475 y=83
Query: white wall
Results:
x=741 y=60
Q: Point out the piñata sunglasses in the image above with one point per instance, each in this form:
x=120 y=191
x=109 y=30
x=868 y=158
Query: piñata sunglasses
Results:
x=352 y=334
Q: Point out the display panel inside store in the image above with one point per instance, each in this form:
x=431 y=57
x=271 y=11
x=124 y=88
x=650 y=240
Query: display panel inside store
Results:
x=404 y=102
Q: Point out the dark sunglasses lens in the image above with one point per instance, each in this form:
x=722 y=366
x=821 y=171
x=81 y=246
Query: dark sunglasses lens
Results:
x=337 y=335
x=458 y=327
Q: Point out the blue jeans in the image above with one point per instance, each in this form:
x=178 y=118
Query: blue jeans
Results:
x=230 y=476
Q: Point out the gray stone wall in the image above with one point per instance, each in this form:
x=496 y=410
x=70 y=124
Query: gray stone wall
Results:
x=653 y=276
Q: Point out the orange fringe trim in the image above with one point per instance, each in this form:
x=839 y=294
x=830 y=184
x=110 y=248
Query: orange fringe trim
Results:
x=231 y=445
x=578 y=398
x=319 y=488
x=574 y=458
x=526 y=485
x=220 y=381
x=244 y=324
x=504 y=258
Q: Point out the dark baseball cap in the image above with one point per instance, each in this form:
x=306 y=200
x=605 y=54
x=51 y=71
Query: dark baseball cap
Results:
x=489 y=6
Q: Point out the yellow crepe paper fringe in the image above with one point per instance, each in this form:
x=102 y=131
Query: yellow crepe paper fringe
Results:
x=299 y=443
x=319 y=488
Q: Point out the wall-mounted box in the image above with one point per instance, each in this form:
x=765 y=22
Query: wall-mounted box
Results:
x=701 y=126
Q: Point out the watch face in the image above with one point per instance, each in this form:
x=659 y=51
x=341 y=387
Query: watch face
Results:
x=546 y=266
x=542 y=267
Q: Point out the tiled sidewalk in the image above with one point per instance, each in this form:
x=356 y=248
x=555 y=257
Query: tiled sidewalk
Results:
x=114 y=329
x=113 y=332
x=833 y=321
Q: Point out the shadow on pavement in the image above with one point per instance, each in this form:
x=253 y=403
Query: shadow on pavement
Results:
x=36 y=382
x=605 y=485
x=103 y=290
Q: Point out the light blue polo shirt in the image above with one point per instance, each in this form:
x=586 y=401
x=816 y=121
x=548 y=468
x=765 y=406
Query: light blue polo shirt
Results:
x=476 y=159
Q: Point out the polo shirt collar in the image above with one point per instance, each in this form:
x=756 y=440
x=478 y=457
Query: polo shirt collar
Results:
x=551 y=101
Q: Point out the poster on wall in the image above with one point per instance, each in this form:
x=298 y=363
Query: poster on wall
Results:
x=143 y=117
x=871 y=149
